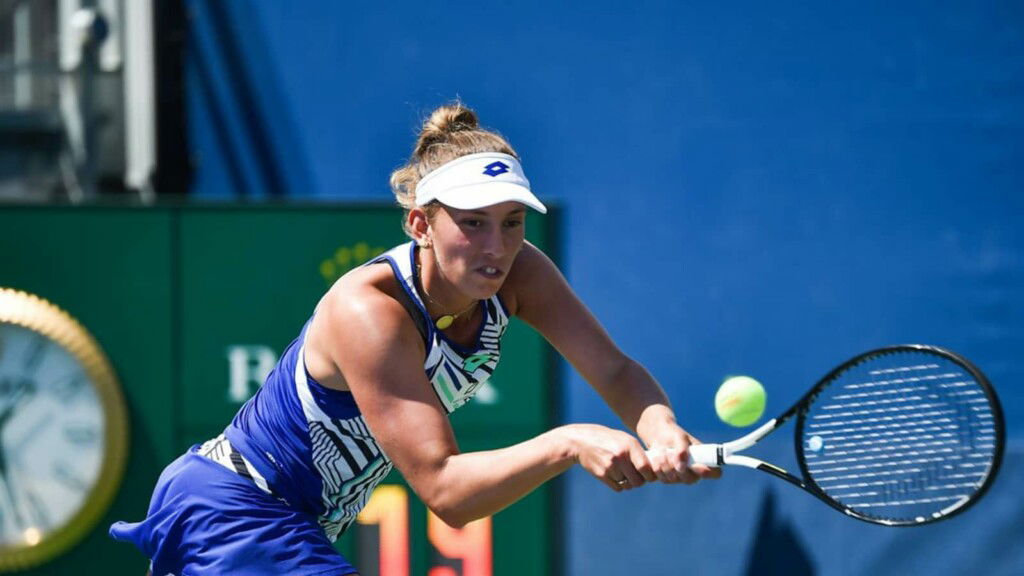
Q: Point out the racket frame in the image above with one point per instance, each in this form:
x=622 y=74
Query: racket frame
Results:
x=726 y=454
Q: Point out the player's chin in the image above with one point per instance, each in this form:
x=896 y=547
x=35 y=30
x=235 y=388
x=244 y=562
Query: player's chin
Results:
x=483 y=287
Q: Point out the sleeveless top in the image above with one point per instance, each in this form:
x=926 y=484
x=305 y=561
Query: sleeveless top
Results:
x=309 y=446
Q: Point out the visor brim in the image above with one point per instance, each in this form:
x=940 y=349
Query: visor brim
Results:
x=474 y=197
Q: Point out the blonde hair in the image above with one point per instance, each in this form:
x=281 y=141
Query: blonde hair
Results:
x=451 y=131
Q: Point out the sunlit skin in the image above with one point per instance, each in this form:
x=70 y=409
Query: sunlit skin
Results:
x=397 y=343
x=467 y=254
x=362 y=340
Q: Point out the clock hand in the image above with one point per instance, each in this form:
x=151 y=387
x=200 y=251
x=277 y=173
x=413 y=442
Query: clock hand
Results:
x=3 y=465
x=5 y=520
x=27 y=389
x=33 y=516
x=9 y=492
x=5 y=415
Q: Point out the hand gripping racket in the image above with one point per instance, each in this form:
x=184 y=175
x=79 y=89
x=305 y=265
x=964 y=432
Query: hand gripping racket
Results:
x=900 y=436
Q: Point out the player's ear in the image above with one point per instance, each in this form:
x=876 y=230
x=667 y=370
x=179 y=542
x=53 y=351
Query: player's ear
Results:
x=419 y=225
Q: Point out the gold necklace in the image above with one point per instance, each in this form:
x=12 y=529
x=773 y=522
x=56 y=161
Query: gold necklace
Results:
x=445 y=320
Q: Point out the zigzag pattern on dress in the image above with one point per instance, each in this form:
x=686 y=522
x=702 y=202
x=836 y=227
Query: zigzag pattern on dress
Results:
x=346 y=456
x=350 y=464
x=454 y=375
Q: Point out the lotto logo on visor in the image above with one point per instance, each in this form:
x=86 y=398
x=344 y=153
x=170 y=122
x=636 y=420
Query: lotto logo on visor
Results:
x=495 y=168
x=477 y=181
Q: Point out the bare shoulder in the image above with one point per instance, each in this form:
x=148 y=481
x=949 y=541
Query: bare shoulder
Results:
x=533 y=273
x=361 y=311
x=368 y=286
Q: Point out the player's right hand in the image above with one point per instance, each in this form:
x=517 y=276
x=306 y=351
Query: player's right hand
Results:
x=613 y=456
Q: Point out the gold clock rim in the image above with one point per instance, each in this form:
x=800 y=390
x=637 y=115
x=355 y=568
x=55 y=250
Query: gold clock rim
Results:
x=42 y=316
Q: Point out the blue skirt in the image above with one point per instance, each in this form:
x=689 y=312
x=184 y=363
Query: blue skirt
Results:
x=205 y=519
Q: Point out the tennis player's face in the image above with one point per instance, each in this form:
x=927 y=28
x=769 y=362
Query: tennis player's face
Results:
x=476 y=248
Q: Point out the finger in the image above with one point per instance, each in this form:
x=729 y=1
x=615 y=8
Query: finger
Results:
x=663 y=476
x=632 y=477
x=706 y=471
x=679 y=460
x=663 y=471
x=677 y=476
x=672 y=465
x=688 y=476
x=667 y=473
x=613 y=484
x=643 y=465
x=671 y=477
x=656 y=458
x=675 y=468
x=700 y=470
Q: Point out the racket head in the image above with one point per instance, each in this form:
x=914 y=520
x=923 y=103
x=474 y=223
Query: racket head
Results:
x=901 y=436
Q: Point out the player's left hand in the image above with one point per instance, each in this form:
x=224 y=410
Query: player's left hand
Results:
x=668 y=454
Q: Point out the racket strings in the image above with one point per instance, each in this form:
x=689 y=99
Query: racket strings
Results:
x=901 y=437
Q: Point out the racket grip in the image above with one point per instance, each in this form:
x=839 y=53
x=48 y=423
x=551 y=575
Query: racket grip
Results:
x=706 y=454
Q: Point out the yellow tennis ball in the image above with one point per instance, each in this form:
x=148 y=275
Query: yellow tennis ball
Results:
x=740 y=401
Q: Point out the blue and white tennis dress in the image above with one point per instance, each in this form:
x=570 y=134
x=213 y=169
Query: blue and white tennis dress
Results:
x=297 y=463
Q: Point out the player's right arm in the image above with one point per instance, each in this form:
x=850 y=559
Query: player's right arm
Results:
x=374 y=344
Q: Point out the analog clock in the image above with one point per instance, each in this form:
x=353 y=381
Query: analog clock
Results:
x=63 y=431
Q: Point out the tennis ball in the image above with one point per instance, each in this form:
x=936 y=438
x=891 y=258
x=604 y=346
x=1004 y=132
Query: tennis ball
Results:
x=740 y=401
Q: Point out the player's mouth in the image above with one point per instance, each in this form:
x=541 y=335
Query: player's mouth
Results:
x=491 y=272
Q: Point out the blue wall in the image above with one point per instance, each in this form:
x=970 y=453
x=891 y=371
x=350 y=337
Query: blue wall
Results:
x=758 y=188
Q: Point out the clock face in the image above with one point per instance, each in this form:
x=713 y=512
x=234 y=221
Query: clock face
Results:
x=63 y=431
x=51 y=436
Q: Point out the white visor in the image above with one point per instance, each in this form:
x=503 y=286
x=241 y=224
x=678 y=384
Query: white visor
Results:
x=477 y=181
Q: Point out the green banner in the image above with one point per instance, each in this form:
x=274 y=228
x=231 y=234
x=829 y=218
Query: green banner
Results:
x=194 y=303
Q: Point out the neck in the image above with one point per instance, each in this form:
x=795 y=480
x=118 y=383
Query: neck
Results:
x=439 y=303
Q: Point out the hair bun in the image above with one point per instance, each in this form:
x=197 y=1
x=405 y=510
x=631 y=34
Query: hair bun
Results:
x=451 y=118
x=445 y=120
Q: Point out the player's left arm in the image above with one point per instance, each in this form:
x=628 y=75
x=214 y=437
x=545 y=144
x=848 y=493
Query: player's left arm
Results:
x=537 y=292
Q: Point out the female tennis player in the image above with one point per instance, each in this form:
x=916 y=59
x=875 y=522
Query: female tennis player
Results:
x=392 y=348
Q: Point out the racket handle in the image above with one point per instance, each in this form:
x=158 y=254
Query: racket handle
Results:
x=706 y=454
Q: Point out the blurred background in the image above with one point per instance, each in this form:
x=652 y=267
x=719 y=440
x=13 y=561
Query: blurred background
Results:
x=749 y=188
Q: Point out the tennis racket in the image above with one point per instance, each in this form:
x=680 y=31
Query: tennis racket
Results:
x=899 y=436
